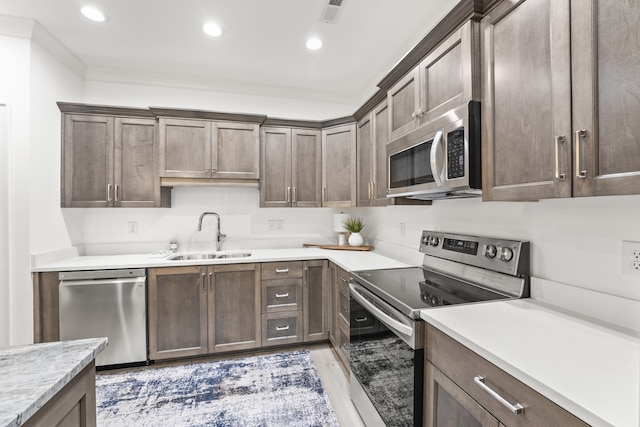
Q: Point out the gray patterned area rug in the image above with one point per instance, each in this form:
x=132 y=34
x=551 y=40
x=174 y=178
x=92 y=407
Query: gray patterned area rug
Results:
x=274 y=390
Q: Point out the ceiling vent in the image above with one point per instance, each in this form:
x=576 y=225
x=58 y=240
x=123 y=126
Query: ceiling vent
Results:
x=331 y=11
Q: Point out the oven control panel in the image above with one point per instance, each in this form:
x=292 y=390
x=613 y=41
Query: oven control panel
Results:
x=501 y=255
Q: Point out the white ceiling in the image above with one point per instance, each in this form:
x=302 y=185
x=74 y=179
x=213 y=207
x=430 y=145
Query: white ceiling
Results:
x=261 y=52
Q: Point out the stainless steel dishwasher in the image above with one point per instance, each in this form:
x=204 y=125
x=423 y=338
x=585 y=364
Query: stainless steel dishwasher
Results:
x=106 y=303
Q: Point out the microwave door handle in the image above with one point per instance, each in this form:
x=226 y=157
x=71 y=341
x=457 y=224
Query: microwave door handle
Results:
x=437 y=142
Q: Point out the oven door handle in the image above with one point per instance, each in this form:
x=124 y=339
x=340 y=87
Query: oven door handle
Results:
x=388 y=320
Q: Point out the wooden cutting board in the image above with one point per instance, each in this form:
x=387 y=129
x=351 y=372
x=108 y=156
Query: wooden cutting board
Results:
x=343 y=248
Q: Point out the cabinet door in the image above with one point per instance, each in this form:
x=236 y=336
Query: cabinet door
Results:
x=315 y=300
x=404 y=104
x=365 y=148
x=275 y=168
x=236 y=151
x=339 y=166
x=234 y=307
x=447 y=405
x=448 y=74
x=526 y=100
x=306 y=170
x=380 y=141
x=185 y=148
x=137 y=182
x=87 y=161
x=606 y=101
x=177 y=312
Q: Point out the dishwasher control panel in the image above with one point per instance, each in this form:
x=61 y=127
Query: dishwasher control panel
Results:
x=101 y=274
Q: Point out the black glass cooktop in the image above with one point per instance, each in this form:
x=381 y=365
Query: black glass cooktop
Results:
x=414 y=288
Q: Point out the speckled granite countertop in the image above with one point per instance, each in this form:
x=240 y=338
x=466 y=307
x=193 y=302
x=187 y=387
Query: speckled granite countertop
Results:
x=30 y=375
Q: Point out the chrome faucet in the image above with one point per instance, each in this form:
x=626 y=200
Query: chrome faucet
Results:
x=219 y=237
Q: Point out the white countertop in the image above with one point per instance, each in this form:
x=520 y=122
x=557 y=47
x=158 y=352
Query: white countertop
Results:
x=350 y=260
x=30 y=375
x=589 y=369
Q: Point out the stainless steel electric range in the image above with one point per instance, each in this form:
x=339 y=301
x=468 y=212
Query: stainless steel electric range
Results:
x=387 y=334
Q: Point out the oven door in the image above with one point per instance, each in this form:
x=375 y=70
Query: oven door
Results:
x=386 y=368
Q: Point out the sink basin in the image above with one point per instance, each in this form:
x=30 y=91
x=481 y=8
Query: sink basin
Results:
x=207 y=255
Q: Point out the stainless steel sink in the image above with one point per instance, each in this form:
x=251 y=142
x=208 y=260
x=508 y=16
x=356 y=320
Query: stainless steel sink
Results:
x=207 y=255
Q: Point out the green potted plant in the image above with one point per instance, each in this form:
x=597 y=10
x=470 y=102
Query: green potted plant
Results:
x=354 y=226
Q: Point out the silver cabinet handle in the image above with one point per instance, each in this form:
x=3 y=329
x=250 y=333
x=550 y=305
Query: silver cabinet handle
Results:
x=204 y=284
x=117 y=193
x=516 y=409
x=282 y=295
x=373 y=190
x=324 y=195
x=295 y=196
x=282 y=328
x=211 y=281
x=361 y=319
x=109 y=199
x=282 y=270
x=560 y=139
x=580 y=135
x=288 y=194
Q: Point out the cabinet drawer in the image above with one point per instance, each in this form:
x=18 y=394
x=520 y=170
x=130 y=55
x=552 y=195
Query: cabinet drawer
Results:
x=343 y=281
x=463 y=365
x=344 y=340
x=281 y=270
x=281 y=295
x=281 y=328
x=344 y=310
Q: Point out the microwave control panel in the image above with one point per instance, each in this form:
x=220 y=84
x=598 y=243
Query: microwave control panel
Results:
x=455 y=154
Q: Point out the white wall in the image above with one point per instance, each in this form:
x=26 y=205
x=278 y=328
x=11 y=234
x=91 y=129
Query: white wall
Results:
x=575 y=241
x=14 y=90
x=50 y=82
x=5 y=250
x=162 y=96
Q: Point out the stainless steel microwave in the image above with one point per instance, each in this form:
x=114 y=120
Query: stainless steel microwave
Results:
x=440 y=159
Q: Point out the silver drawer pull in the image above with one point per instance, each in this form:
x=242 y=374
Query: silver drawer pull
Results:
x=516 y=409
x=282 y=270
x=282 y=328
x=282 y=295
x=361 y=319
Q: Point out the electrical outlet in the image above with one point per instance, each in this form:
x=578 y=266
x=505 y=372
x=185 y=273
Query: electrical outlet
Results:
x=132 y=227
x=275 y=225
x=631 y=258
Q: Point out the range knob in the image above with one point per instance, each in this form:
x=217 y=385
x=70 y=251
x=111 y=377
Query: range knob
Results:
x=434 y=241
x=506 y=255
x=435 y=301
x=425 y=240
x=491 y=251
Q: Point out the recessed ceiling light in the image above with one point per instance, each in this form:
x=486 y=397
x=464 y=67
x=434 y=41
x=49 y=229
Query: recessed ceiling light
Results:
x=314 y=43
x=93 y=14
x=212 y=29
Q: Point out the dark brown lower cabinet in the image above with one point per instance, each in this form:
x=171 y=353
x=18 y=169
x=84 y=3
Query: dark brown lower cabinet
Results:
x=453 y=398
x=315 y=293
x=198 y=310
x=73 y=406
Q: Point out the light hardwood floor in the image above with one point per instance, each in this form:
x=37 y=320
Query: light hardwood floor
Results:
x=336 y=383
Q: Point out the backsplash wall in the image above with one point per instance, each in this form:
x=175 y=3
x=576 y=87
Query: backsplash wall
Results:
x=106 y=231
x=576 y=241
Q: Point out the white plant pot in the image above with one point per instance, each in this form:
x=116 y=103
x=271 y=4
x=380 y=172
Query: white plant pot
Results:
x=355 y=239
